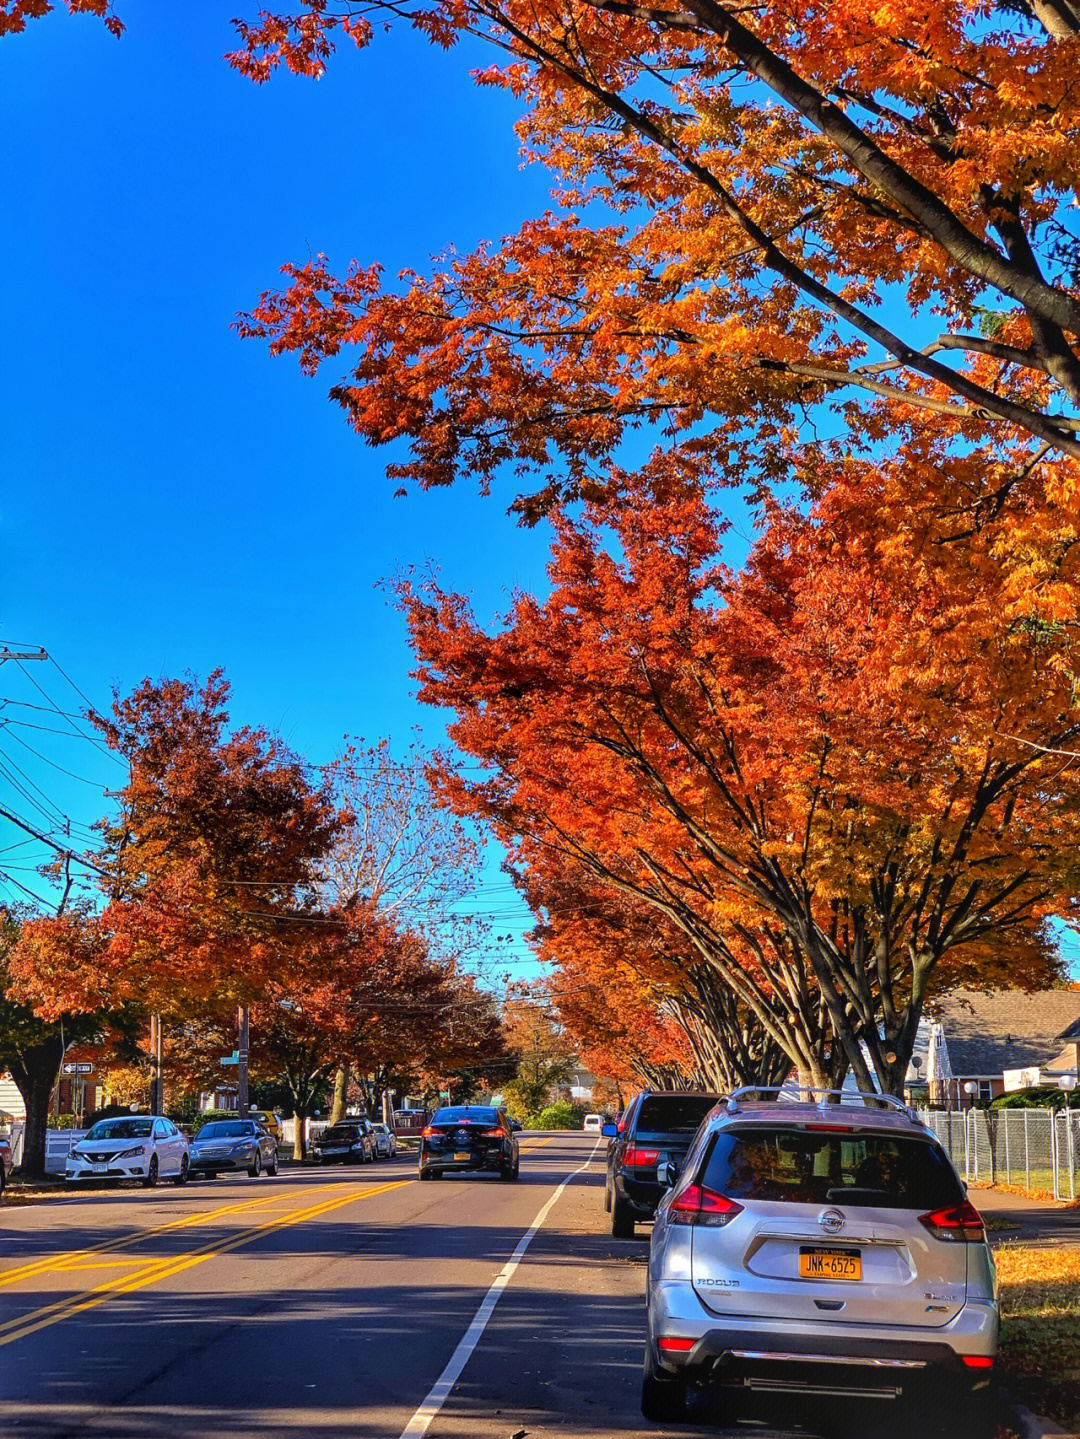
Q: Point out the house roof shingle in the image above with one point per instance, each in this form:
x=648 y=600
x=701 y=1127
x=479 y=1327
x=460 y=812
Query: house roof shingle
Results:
x=1005 y=1029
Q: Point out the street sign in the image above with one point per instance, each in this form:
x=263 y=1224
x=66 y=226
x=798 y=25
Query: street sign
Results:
x=81 y=1068
x=233 y=1058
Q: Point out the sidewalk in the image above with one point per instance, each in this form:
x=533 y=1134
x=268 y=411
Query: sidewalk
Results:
x=1034 y=1222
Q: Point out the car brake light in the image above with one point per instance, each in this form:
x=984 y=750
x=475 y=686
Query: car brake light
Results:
x=957 y=1223
x=635 y=1156
x=676 y=1346
x=499 y=1133
x=697 y=1205
x=978 y=1361
x=427 y=1131
x=831 y=1128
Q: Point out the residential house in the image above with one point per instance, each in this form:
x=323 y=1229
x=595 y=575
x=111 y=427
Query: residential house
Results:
x=997 y=1040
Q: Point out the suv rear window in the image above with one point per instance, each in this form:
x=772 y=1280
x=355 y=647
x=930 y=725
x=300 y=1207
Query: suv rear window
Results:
x=673 y=1113
x=886 y=1171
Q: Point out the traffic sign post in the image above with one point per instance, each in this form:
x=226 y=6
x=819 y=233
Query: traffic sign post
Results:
x=78 y=1068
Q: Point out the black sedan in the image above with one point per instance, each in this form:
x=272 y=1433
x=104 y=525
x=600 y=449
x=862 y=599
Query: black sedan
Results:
x=225 y=1144
x=469 y=1137
x=352 y=1141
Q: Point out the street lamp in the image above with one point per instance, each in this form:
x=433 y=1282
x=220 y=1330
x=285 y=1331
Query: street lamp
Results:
x=971 y=1089
x=1067 y=1082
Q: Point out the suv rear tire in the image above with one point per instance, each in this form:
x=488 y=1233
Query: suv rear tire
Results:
x=663 y=1400
x=622 y=1218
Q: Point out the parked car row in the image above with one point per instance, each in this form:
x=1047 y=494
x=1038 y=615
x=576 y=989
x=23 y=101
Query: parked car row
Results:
x=805 y=1246
x=354 y=1141
x=146 y=1149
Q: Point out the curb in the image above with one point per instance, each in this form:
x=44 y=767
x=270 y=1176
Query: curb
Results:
x=1034 y=1426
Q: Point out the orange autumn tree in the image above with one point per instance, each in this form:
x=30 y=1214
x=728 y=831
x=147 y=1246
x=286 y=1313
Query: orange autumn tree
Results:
x=639 y=1002
x=364 y=993
x=841 y=751
x=738 y=192
x=210 y=866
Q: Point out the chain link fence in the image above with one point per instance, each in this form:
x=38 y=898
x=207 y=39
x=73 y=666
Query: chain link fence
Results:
x=1034 y=1149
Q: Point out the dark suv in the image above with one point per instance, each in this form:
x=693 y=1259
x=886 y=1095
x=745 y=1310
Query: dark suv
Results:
x=655 y=1130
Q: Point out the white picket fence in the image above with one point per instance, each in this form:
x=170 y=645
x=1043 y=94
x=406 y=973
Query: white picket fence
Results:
x=312 y=1127
x=58 y=1144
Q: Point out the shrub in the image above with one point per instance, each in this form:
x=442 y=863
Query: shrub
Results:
x=193 y=1126
x=561 y=1115
x=1046 y=1096
x=112 y=1111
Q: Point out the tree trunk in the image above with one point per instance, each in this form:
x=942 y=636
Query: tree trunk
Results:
x=35 y=1071
x=299 y=1121
x=341 y=1091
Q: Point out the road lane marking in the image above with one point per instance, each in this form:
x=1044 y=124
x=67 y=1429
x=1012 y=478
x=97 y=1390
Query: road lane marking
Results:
x=440 y=1390
x=52 y=1261
x=165 y=1268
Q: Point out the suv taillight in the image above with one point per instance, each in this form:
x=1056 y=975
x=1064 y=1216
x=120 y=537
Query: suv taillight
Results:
x=697 y=1205
x=634 y=1156
x=959 y=1223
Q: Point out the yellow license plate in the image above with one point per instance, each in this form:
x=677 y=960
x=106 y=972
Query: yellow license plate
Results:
x=461 y=1154
x=830 y=1264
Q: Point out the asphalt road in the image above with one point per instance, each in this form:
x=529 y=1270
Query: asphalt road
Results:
x=326 y=1304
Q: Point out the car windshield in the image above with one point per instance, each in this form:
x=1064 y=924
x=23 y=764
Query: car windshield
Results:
x=227 y=1129
x=673 y=1113
x=801 y=1166
x=341 y=1131
x=466 y=1114
x=121 y=1129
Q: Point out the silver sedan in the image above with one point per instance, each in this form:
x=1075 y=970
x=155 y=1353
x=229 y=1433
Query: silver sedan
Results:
x=231 y=1144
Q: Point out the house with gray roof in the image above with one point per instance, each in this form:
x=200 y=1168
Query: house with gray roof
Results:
x=984 y=1034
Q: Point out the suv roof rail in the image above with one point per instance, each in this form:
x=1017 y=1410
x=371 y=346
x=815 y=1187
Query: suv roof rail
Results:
x=824 y=1097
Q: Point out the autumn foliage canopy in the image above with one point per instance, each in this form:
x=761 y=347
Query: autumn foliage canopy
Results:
x=825 y=254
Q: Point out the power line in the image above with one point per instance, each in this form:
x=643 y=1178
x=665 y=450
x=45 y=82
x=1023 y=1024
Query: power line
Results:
x=65 y=850
x=21 y=788
x=46 y=760
x=64 y=715
x=41 y=709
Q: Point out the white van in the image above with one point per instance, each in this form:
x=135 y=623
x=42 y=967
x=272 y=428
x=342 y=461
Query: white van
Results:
x=593 y=1122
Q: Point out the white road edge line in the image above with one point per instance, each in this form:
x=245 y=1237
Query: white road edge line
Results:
x=440 y=1390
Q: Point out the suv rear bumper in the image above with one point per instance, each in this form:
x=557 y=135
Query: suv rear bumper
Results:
x=796 y=1356
x=642 y=1195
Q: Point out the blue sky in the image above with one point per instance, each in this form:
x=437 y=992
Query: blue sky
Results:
x=174 y=499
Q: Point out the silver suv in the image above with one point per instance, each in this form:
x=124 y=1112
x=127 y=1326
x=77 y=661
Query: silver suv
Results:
x=820 y=1246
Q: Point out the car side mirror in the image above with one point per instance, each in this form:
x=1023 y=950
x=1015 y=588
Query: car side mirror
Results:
x=669 y=1172
x=609 y=1131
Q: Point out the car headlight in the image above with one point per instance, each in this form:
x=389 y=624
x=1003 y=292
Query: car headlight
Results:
x=241 y=1148
x=135 y=1153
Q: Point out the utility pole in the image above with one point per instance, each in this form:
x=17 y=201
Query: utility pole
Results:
x=242 y=1062
x=157 y=1082
x=6 y=654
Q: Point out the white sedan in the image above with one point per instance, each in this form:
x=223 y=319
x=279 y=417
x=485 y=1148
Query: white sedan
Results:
x=135 y=1147
x=385 y=1142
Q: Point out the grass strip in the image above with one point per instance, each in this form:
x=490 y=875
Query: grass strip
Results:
x=1039 y=1360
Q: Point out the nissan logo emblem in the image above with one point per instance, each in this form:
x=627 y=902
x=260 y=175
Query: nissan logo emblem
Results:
x=831 y=1220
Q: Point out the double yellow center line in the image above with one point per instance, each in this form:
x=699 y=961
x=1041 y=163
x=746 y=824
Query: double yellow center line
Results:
x=66 y=1259
x=157 y=1270
x=153 y=1271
